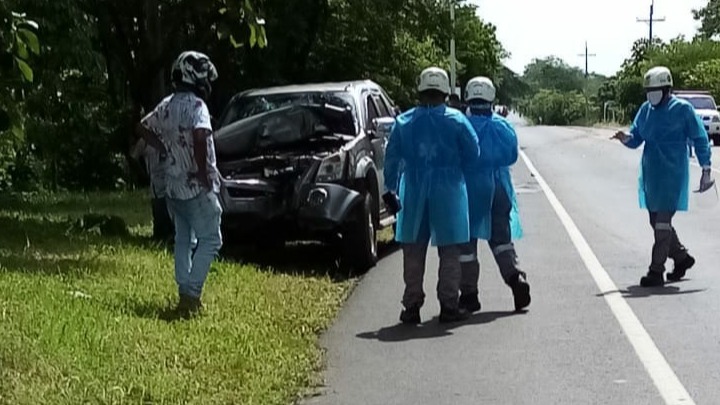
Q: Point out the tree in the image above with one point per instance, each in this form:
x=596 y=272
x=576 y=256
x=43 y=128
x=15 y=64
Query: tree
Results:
x=709 y=17
x=104 y=63
x=19 y=41
x=553 y=73
x=511 y=87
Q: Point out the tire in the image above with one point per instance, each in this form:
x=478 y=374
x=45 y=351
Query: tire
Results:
x=716 y=140
x=359 y=238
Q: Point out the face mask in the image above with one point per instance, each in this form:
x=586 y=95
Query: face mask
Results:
x=655 y=97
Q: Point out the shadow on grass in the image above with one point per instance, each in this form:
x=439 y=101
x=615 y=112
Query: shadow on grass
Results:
x=51 y=246
x=165 y=311
x=308 y=259
x=134 y=207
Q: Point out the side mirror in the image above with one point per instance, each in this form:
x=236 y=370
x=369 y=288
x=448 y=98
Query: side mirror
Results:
x=381 y=127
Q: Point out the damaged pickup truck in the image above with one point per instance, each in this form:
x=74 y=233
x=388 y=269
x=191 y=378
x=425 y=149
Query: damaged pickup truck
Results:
x=305 y=163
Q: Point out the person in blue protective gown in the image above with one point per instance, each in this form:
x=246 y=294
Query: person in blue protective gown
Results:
x=664 y=124
x=493 y=206
x=427 y=149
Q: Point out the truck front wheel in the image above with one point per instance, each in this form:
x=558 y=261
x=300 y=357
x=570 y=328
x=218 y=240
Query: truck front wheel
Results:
x=359 y=238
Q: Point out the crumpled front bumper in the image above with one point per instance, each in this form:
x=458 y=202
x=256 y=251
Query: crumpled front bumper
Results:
x=316 y=206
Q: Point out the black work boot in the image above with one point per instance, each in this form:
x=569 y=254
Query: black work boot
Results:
x=448 y=315
x=410 y=316
x=681 y=268
x=469 y=302
x=652 y=279
x=189 y=306
x=520 y=289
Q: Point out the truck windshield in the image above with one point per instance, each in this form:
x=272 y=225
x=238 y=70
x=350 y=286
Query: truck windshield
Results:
x=701 y=103
x=248 y=106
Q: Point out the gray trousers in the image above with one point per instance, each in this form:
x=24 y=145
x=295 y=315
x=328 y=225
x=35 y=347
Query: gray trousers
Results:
x=414 y=257
x=500 y=243
x=667 y=244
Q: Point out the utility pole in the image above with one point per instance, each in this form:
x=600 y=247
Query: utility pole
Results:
x=453 y=62
x=586 y=55
x=587 y=74
x=651 y=20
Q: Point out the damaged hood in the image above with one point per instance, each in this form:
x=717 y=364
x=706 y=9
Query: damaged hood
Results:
x=296 y=126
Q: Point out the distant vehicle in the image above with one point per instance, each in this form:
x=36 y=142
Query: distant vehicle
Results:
x=304 y=162
x=502 y=110
x=706 y=109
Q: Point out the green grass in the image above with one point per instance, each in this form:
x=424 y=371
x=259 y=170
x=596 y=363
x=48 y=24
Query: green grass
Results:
x=80 y=316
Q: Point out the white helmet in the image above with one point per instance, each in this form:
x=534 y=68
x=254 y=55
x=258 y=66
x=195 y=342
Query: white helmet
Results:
x=656 y=77
x=434 y=78
x=480 y=88
x=194 y=69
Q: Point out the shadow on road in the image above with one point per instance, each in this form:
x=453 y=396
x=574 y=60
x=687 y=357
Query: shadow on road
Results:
x=636 y=291
x=431 y=328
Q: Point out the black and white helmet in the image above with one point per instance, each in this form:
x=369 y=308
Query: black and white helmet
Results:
x=194 y=69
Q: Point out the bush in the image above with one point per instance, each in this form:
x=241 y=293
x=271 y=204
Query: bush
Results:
x=552 y=107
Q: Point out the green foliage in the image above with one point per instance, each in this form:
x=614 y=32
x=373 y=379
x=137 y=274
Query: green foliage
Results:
x=559 y=93
x=709 y=17
x=103 y=64
x=695 y=64
x=18 y=42
x=553 y=73
x=554 y=107
x=705 y=75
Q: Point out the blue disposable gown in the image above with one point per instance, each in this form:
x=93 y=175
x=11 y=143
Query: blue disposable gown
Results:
x=499 y=146
x=427 y=150
x=664 y=172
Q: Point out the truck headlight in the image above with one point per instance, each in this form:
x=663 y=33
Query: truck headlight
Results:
x=716 y=119
x=331 y=168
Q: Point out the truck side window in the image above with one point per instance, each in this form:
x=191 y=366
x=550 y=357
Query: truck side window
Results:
x=382 y=107
x=372 y=111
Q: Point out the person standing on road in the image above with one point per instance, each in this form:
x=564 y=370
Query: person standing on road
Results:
x=664 y=124
x=429 y=145
x=182 y=122
x=493 y=206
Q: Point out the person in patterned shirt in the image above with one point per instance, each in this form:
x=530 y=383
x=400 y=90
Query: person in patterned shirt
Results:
x=180 y=127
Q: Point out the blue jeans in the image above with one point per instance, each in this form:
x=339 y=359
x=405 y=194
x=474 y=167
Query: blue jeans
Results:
x=195 y=219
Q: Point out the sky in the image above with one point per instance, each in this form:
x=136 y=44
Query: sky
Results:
x=531 y=29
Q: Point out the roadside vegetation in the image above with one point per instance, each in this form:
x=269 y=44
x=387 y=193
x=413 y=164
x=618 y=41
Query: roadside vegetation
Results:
x=85 y=305
x=559 y=94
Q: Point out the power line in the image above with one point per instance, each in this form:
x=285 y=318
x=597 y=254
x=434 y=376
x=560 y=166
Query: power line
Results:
x=651 y=20
x=586 y=55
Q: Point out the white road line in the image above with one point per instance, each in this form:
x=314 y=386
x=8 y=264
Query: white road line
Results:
x=670 y=387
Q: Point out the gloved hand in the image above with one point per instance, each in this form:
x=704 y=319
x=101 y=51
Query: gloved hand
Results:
x=706 y=180
x=622 y=136
x=392 y=202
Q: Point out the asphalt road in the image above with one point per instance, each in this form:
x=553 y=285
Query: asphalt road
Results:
x=591 y=335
